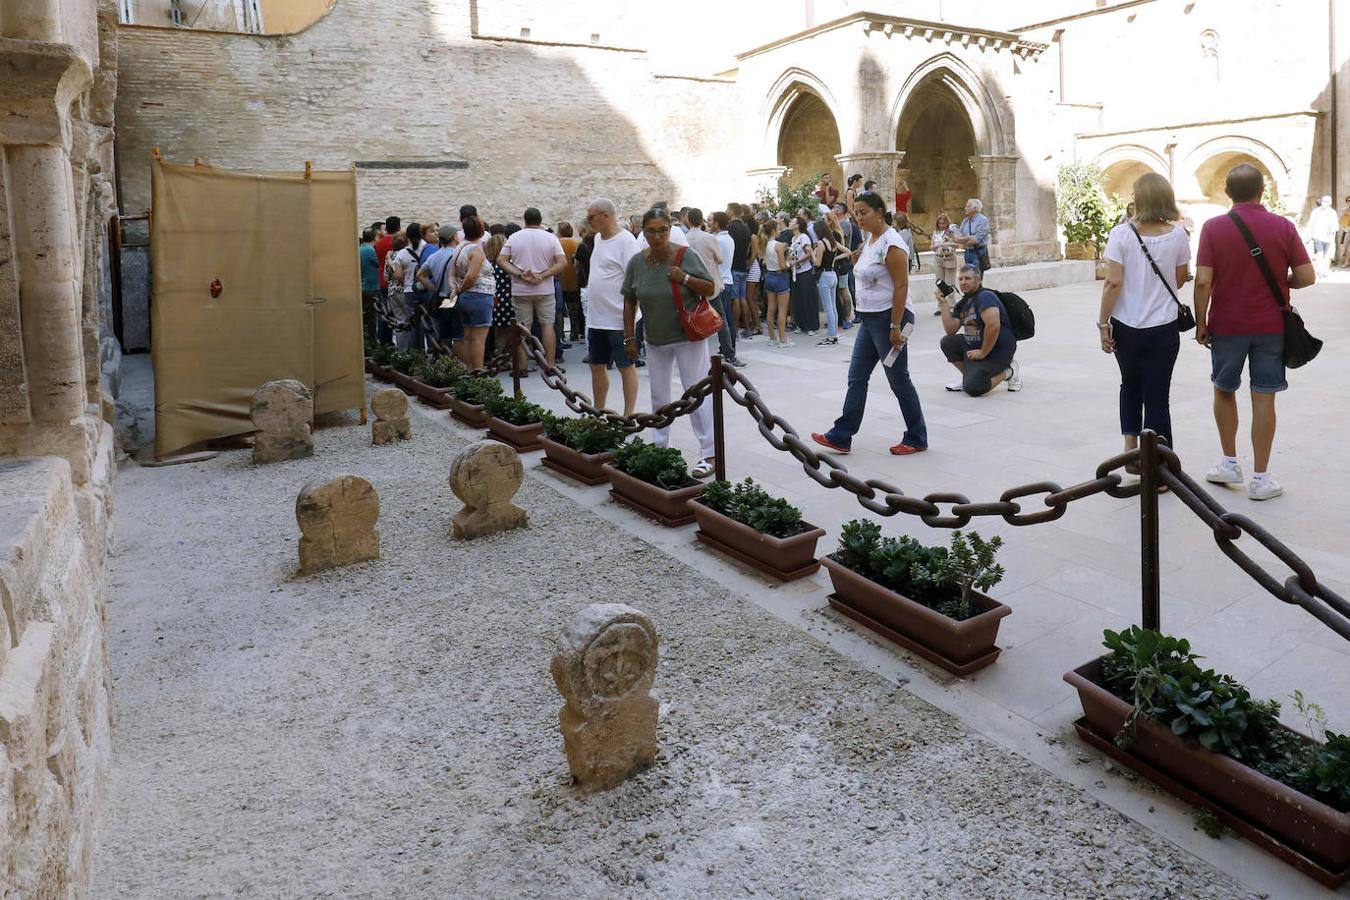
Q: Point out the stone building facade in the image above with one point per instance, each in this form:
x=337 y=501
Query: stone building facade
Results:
x=57 y=84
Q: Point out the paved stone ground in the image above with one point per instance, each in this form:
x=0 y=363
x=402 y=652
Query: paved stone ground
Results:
x=391 y=729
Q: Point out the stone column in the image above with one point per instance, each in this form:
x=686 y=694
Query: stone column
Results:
x=996 y=181
x=873 y=165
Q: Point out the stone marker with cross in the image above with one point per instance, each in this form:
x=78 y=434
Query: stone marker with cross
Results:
x=282 y=412
x=486 y=476
x=337 y=523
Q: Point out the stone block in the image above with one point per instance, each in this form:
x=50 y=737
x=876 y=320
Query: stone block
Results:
x=337 y=523
x=486 y=475
x=604 y=667
x=391 y=417
x=282 y=412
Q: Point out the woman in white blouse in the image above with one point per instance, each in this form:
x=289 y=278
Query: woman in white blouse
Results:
x=1138 y=318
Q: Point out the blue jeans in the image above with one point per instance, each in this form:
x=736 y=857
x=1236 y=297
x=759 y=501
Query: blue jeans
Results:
x=871 y=346
x=827 y=283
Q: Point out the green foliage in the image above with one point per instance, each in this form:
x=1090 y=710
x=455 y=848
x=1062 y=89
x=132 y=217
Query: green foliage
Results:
x=441 y=371
x=516 y=410
x=407 y=362
x=940 y=578
x=1270 y=199
x=477 y=390
x=661 y=466
x=789 y=197
x=1084 y=211
x=586 y=434
x=1159 y=675
x=750 y=504
x=382 y=355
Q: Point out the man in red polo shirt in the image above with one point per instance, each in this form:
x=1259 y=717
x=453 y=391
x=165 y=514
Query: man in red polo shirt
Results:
x=1244 y=323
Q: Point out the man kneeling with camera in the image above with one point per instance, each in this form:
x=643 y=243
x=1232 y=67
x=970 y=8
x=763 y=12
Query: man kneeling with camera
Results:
x=979 y=340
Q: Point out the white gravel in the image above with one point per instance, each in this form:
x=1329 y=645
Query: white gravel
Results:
x=391 y=729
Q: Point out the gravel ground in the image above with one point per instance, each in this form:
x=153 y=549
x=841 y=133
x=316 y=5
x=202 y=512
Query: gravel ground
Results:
x=391 y=728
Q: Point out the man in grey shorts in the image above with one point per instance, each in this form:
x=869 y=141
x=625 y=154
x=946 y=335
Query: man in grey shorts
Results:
x=532 y=257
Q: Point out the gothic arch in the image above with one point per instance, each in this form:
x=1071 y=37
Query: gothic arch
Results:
x=990 y=119
x=786 y=90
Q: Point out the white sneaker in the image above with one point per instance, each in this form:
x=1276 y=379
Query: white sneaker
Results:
x=773 y=345
x=1263 y=487
x=956 y=386
x=1014 y=379
x=1225 y=472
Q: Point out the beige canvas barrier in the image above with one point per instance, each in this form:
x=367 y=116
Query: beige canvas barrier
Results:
x=255 y=279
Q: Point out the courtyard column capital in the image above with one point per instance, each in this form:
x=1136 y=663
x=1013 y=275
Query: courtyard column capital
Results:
x=874 y=165
x=38 y=83
x=862 y=157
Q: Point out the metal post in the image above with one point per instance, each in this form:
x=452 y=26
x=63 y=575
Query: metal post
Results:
x=719 y=430
x=512 y=344
x=1148 y=529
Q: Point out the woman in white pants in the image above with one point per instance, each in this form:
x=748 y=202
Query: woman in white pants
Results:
x=650 y=282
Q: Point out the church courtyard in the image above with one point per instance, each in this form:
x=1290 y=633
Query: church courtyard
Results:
x=391 y=728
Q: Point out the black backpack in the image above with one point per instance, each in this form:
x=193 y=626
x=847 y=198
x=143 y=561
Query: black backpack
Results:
x=1019 y=314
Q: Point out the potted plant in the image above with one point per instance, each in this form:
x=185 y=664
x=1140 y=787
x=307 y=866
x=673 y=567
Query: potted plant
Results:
x=378 y=363
x=1085 y=213
x=927 y=599
x=432 y=378
x=468 y=397
x=579 y=447
x=652 y=480
x=750 y=524
x=1204 y=737
x=515 y=422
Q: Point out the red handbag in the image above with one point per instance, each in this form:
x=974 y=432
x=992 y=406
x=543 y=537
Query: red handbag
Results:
x=700 y=323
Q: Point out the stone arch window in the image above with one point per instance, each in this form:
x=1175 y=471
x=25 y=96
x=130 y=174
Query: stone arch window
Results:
x=1209 y=53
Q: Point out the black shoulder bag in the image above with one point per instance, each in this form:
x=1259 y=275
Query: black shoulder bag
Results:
x=1300 y=347
x=1185 y=318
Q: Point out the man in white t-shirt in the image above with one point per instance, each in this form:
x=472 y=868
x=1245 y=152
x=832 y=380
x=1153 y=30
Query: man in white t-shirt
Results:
x=614 y=247
x=1322 y=224
x=532 y=257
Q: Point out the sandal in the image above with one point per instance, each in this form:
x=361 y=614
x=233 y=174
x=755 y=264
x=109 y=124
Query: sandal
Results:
x=702 y=470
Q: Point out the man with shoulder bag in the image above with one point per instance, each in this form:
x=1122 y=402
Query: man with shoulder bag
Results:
x=1246 y=265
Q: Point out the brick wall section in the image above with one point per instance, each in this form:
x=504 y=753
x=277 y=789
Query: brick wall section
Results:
x=538 y=125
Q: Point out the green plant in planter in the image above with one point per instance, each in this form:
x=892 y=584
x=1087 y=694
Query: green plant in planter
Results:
x=750 y=504
x=940 y=578
x=586 y=434
x=441 y=371
x=406 y=362
x=1085 y=213
x=382 y=354
x=662 y=466
x=790 y=197
x=478 y=390
x=1160 y=676
x=516 y=410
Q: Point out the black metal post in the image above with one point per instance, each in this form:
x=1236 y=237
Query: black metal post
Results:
x=1150 y=570
x=513 y=343
x=719 y=430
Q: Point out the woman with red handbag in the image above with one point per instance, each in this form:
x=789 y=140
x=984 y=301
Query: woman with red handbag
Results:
x=671 y=286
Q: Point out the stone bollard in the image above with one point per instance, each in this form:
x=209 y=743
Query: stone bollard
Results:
x=337 y=523
x=486 y=476
x=282 y=412
x=604 y=666
x=391 y=417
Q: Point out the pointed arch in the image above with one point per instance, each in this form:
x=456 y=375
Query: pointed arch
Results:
x=990 y=118
x=786 y=90
x=1233 y=144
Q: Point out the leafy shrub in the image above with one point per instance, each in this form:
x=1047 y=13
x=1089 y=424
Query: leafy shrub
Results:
x=382 y=354
x=478 y=390
x=586 y=434
x=1158 y=674
x=407 y=362
x=750 y=504
x=1084 y=211
x=441 y=371
x=941 y=578
x=516 y=410
x=661 y=466
x=790 y=197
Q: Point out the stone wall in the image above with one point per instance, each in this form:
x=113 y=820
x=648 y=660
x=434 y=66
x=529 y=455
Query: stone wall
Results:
x=55 y=709
x=432 y=116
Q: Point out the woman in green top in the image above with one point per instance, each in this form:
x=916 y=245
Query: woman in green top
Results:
x=649 y=283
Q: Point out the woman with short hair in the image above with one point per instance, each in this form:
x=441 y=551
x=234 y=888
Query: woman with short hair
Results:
x=1147 y=259
x=651 y=281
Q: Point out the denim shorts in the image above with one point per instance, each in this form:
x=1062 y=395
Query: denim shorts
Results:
x=777 y=282
x=1320 y=247
x=605 y=346
x=1264 y=354
x=476 y=309
x=738 y=285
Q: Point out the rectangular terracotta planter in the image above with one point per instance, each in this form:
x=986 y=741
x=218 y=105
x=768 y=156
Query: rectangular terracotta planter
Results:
x=383 y=373
x=1311 y=828
x=786 y=559
x=958 y=647
x=472 y=414
x=670 y=508
x=521 y=438
x=588 y=468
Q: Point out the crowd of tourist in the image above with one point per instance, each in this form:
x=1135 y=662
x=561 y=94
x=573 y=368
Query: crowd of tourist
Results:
x=623 y=284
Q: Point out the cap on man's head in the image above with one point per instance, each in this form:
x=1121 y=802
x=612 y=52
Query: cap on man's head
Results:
x=447 y=233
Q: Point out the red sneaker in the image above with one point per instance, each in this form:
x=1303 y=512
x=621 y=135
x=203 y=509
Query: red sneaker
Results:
x=906 y=450
x=823 y=441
